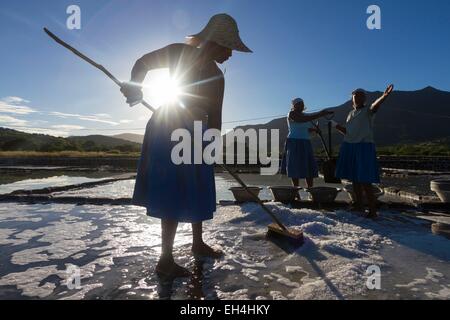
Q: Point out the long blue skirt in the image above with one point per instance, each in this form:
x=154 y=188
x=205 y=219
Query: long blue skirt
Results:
x=358 y=162
x=183 y=193
x=298 y=160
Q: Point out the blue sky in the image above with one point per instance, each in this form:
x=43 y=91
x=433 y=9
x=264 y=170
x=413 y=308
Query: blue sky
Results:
x=319 y=50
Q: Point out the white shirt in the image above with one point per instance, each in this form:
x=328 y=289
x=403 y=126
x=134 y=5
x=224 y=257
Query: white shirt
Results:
x=299 y=130
x=360 y=124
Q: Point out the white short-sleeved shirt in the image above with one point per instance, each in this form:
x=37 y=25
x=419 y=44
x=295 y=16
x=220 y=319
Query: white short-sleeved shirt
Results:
x=360 y=124
x=298 y=130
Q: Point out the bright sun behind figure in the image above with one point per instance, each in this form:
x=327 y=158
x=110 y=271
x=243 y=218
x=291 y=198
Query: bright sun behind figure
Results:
x=161 y=88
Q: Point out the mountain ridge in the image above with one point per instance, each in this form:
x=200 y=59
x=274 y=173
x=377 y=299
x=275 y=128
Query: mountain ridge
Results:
x=407 y=117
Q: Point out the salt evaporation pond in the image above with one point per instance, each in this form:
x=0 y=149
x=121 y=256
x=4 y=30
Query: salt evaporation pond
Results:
x=116 y=248
x=419 y=184
x=50 y=181
x=113 y=190
x=124 y=189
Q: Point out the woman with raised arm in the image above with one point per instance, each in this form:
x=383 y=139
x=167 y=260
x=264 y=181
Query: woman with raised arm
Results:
x=186 y=192
x=357 y=160
x=299 y=161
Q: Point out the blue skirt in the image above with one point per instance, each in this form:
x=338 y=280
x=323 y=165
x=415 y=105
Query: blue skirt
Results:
x=298 y=160
x=357 y=162
x=183 y=193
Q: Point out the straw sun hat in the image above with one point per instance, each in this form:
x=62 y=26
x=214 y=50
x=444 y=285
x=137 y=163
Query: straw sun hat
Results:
x=223 y=30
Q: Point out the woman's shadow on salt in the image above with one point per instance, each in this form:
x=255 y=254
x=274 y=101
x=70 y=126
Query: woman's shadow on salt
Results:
x=311 y=253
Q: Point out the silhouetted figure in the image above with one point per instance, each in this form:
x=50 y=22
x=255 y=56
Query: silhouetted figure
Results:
x=183 y=193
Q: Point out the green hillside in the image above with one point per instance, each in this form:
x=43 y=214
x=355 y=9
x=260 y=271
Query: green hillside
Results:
x=12 y=140
x=435 y=148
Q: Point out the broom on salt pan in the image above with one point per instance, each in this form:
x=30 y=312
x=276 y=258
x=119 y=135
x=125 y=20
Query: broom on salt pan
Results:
x=277 y=229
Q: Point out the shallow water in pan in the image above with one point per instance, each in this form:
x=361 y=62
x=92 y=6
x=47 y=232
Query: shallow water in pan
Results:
x=124 y=189
x=12 y=179
x=35 y=184
x=115 y=248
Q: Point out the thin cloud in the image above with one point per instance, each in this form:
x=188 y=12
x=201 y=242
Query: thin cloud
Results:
x=18 y=106
x=102 y=115
x=27 y=127
x=92 y=118
x=50 y=132
x=67 y=127
x=15 y=105
x=11 y=121
x=15 y=100
x=14 y=109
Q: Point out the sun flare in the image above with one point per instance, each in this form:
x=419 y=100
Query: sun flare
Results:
x=162 y=89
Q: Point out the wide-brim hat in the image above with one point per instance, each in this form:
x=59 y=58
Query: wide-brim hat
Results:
x=223 y=30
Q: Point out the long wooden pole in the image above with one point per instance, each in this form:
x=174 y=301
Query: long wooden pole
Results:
x=319 y=132
x=93 y=63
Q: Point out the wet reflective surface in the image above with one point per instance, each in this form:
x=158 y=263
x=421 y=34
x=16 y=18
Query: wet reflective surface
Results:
x=114 y=249
x=21 y=178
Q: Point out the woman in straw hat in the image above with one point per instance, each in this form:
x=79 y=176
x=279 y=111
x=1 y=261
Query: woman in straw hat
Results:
x=186 y=192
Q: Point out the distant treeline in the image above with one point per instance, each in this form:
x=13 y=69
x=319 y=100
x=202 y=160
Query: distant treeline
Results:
x=12 y=140
x=420 y=149
x=441 y=148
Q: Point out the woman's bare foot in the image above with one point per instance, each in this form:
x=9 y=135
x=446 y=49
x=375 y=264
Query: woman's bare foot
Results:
x=205 y=251
x=168 y=269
